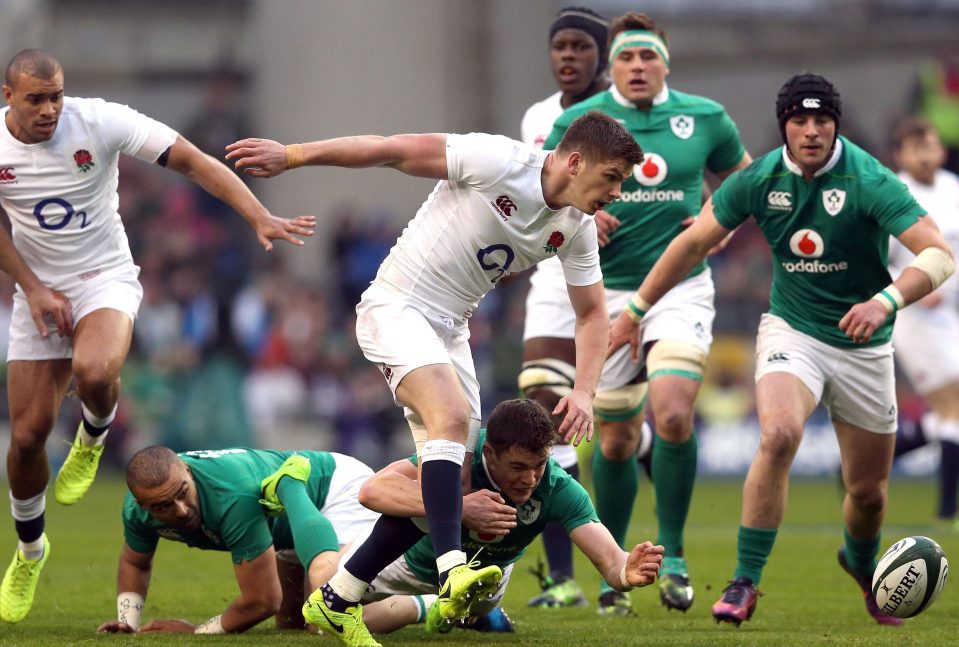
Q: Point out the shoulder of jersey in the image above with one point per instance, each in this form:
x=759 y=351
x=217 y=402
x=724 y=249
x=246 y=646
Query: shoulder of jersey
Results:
x=693 y=103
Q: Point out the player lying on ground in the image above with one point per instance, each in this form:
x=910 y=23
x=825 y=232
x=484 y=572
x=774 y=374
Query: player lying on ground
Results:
x=518 y=491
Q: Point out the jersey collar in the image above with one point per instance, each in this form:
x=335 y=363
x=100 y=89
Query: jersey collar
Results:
x=833 y=160
x=489 y=476
x=658 y=100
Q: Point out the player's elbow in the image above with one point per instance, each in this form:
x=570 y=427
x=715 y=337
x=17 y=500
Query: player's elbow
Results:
x=368 y=494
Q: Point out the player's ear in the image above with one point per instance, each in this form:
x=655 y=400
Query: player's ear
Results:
x=574 y=162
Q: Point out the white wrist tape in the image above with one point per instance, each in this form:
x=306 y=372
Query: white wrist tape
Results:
x=937 y=263
x=211 y=626
x=637 y=308
x=130 y=608
x=890 y=298
x=622 y=576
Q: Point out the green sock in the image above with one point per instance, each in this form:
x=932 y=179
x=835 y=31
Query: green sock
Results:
x=861 y=553
x=312 y=532
x=754 y=545
x=616 y=484
x=674 y=473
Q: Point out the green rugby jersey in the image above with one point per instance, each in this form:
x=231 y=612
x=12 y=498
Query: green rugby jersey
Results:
x=228 y=487
x=558 y=497
x=829 y=237
x=681 y=135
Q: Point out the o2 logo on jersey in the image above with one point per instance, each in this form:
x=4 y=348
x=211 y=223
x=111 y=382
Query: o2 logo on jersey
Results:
x=806 y=243
x=56 y=213
x=496 y=258
x=652 y=171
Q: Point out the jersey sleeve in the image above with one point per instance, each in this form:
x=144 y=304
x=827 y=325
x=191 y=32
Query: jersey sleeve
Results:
x=728 y=149
x=892 y=205
x=731 y=201
x=132 y=133
x=478 y=160
x=580 y=259
x=571 y=504
x=137 y=531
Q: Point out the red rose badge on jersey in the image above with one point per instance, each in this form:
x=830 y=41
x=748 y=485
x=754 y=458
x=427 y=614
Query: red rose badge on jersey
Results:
x=556 y=240
x=84 y=160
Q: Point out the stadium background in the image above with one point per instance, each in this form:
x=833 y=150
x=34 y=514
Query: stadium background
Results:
x=234 y=346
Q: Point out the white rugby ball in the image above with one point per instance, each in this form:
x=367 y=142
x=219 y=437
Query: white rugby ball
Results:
x=910 y=576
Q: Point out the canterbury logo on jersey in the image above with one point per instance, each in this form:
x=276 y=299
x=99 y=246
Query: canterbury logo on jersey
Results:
x=777 y=358
x=505 y=206
x=780 y=200
x=6 y=174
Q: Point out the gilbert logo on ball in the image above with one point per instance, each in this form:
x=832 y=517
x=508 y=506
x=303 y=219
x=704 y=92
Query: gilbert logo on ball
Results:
x=910 y=576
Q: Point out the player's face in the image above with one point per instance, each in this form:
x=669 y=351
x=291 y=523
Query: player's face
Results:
x=599 y=183
x=921 y=156
x=810 y=140
x=572 y=54
x=35 y=107
x=639 y=74
x=516 y=471
x=173 y=503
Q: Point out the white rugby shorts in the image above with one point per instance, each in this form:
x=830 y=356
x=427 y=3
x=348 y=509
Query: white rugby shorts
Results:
x=342 y=507
x=685 y=314
x=400 y=334
x=927 y=346
x=856 y=385
x=117 y=289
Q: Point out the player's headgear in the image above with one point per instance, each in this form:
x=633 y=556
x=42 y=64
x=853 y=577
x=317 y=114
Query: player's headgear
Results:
x=588 y=21
x=807 y=94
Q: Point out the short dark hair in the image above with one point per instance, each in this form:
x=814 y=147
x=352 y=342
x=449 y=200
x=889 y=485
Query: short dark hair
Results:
x=520 y=423
x=151 y=467
x=599 y=137
x=635 y=20
x=32 y=62
x=910 y=128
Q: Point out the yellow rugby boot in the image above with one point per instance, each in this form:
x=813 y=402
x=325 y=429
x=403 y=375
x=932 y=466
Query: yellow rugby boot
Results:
x=346 y=626
x=20 y=583
x=77 y=472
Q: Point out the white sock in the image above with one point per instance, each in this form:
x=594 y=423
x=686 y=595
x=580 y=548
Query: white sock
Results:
x=94 y=421
x=32 y=550
x=450 y=560
x=423 y=604
x=347 y=586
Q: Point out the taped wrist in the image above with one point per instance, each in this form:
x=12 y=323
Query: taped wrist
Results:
x=130 y=608
x=294 y=156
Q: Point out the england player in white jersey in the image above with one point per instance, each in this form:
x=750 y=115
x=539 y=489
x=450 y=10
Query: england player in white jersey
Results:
x=577 y=55
x=926 y=336
x=500 y=206
x=70 y=258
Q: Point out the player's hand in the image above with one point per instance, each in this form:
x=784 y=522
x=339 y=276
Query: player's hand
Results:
x=606 y=224
x=624 y=331
x=49 y=306
x=273 y=228
x=862 y=320
x=578 y=419
x=257 y=157
x=486 y=511
x=168 y=627
x=115 y=627
x=643 y=564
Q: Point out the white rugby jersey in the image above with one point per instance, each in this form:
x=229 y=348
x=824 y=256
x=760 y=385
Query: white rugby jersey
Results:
x=536 y=126
x=488 y=219
x=61 y=194
x=538 y=121
x=941 y=201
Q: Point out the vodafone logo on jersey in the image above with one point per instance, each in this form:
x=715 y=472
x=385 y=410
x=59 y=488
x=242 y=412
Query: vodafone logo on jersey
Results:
x=807 y=244
x=6 y=175
x=486 y=537
x=652 y=171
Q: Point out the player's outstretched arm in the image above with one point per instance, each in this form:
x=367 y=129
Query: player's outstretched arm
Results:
x=260 y=598
x=133 y=582
x=620 y=569
x=43 y=301
x=217 y=180
x=592 y=332
x=680 y=257
x=395 y=491
x=421 y=155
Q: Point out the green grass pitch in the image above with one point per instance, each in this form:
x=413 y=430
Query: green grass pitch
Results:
x=808 y=599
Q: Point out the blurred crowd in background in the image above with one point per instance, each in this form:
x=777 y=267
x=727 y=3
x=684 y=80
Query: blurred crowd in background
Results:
x=231 y=348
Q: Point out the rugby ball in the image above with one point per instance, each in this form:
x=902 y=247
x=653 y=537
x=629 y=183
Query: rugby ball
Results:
x=910 y=576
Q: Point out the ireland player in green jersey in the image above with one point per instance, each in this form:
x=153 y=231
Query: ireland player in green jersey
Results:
x=682 y=136
x=518 y=491
x=827 y=209
x=261 y=506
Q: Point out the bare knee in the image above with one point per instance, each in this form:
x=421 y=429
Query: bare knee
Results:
x=674 y=423
x=619 y=441
x=779 y=441
x=868 y=498
x=29 y=433
x=94 y=376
